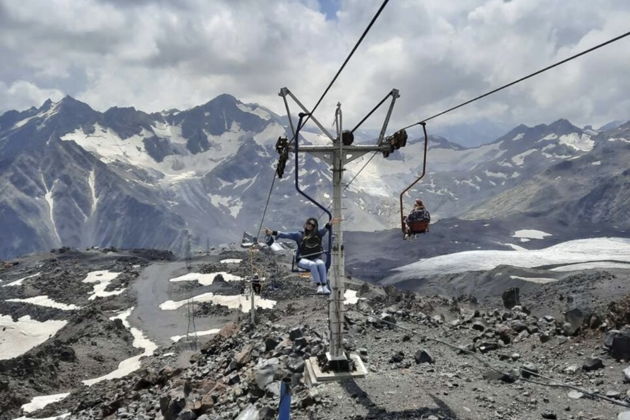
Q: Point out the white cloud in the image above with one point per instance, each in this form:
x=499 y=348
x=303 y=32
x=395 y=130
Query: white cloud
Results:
x=157 y=55
x=22 y=94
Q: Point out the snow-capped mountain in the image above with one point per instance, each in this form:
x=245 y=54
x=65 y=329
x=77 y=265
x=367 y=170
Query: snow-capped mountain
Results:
x=593 y=187
x=459 y=179
x=72 y=176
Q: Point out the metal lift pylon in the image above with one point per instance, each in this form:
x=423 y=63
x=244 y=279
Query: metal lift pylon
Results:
x=339 y=365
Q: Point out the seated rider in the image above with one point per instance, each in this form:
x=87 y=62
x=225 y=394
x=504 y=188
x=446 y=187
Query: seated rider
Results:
x=310 y=250
x=418 y=214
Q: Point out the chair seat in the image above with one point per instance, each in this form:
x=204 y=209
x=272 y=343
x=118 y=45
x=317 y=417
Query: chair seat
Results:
x=418 y=226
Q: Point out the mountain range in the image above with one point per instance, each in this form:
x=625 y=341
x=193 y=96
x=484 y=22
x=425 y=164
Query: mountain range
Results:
x=73 y=176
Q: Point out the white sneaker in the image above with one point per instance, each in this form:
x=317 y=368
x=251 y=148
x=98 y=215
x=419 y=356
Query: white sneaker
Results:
x=325 y=290
x=320 y=290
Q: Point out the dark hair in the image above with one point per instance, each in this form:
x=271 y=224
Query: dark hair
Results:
x=313 y=221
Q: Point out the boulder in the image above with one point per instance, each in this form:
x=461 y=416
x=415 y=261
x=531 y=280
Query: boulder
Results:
x=295 y=333
x=574 y=318
x=423 y=356
x=592 y=363
x=618 y=343
x=478 y=325
x=271 y=343
x=265 y=371
x=172 y=403
x=511 y=297
x=397 y=357
x=244 y=356
x=186 y=414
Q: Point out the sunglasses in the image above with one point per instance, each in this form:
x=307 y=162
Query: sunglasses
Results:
x=310 y=224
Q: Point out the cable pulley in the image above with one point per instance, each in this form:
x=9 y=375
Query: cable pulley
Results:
x=282 y=147
x=395 y=141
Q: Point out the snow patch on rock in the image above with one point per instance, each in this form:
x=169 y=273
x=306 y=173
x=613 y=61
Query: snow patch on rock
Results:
x=530 y=234
x=212 y=331
x=37 y=403
x=46 y=301
x=18 y=337
x=20 y=281
x=133 y=363
x=582 y=142
x=206 y=279
x=231 y=301
x=102 y=279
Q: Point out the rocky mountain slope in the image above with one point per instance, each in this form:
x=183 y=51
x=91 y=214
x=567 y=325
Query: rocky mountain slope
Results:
x=593 y=188
x=428 y=357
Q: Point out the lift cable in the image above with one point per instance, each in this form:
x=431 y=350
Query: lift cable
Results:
x=370 y=113
x=610 y=41
x=320 y=100
x=262 y=220
x=501 y=88
x=550 y=382
x=344 y=64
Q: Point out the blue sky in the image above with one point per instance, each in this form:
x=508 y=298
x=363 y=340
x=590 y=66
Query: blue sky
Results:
x=329 y=7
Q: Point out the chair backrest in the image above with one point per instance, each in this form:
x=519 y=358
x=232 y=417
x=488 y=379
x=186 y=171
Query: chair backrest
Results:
x=418 y=226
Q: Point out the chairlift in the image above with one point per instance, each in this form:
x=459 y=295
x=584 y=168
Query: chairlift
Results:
x=282 y=147
x=418 y=226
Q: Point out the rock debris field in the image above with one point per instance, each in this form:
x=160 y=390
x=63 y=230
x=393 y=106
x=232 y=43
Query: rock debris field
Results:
x=554 y=351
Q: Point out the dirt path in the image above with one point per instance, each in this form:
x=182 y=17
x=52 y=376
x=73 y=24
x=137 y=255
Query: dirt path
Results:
x=152 y=288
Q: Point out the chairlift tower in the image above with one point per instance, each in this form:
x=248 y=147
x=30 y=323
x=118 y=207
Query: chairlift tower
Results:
x=340 y=152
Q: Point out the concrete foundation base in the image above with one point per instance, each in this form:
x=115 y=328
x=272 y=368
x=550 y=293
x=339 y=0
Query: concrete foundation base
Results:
x=314 y=375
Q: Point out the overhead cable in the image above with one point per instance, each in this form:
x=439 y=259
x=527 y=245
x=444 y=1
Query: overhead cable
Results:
x=500 y=88
x=610 y=41
x=365 y=32
x=334 y=79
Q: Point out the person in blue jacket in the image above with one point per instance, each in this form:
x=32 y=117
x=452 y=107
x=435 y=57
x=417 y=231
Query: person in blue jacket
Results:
x=310 y=251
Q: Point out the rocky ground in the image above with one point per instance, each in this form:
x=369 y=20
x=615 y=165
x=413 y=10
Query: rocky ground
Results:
x=90 y=344
x=555 y=351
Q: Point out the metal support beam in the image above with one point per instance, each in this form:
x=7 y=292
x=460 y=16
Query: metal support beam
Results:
x=285 y=91
x=338 y=155
x=335 y=316
x=395 y=95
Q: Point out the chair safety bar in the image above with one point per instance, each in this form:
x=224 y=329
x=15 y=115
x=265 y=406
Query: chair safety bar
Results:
x=424 y=170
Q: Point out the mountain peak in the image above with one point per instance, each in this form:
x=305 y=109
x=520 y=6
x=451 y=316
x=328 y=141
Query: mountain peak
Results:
x=222 y=100
x=563 y=125
x=46 y=105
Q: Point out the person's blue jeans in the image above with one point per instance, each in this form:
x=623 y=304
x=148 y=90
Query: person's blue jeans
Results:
x=317 y=268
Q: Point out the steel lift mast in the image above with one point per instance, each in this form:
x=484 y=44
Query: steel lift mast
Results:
x=338 y=154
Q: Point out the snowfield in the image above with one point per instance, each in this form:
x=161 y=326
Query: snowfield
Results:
x=17 y=338
x=604 y=251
